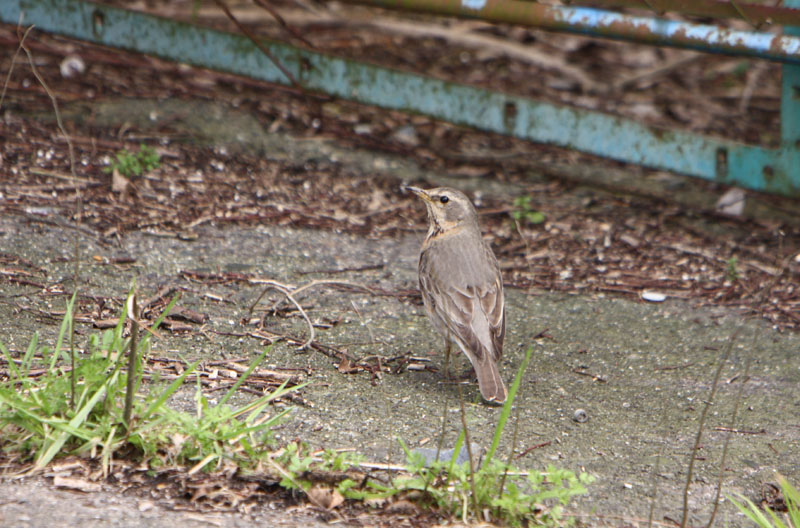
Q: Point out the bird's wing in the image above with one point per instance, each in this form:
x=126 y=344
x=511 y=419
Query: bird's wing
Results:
x=492 y=304
x=473 y=316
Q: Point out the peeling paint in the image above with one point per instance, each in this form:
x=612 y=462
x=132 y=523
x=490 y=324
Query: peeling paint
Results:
x=662 y=30
x=583 y=130
x=473 y=4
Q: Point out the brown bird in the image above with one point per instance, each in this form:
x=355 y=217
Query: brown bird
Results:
x=462 y=287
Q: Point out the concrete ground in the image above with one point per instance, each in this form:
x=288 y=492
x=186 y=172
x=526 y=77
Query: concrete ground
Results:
x=641 y=372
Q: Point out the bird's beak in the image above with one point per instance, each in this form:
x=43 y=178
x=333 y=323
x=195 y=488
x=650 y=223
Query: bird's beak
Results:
x=422 y=193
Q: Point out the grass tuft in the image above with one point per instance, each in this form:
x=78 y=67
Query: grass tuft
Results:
x=769 y=518
x=38 y=424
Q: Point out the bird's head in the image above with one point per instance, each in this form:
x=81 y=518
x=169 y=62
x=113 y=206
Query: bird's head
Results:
x=447 y=208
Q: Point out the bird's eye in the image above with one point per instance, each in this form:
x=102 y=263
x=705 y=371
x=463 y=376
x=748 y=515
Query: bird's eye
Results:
x=444 y=199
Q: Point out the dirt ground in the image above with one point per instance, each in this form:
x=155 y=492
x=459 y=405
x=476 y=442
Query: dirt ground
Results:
x=262 y=182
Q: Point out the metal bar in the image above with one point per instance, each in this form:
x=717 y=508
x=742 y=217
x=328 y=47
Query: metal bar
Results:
x=607 y=24
x=790 y=95
x=759 y=13
x=593 y=132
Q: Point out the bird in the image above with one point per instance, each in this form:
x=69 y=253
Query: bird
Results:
x=462 y=287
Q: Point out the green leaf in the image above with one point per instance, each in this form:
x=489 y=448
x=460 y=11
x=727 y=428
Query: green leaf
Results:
x=65 y=324
x=244 y=376
x=80 y=417
x=506 y=412
x=535 y=217
x=158 y=402
x=751 y=511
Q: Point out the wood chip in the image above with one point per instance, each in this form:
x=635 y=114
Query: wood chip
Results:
x=78 y=484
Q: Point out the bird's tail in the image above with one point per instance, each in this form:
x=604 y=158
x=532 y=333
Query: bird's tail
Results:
x=489 y=381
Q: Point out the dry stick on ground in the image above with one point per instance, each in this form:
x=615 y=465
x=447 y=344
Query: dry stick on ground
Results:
x=701 y=425
x=756 y=24
x=656 y=470
x=287 y=292
x=279 y=19
x=753 y=76
x=11 y=68
x=52 y=99
x=653 y=74
x=78 y=201
x=467 y=440
x=736 y=403
x=594 y=516
x=326 y=282
x=258 y=44
x=133 y=314
x=290 y=291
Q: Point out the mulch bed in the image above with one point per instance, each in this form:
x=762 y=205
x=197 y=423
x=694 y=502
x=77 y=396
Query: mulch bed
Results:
x=591 y=241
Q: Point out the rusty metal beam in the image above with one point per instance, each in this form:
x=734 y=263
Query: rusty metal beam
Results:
x=608 y=24
x=724 y=161
x=757 y=14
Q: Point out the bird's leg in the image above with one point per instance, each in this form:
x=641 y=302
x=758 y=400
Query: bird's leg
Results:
x=446 y=358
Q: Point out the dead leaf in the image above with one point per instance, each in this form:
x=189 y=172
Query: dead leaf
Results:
x=378 y=201
x=732 y=202
x=177 y=442
x=119 y=183
x=346 y=366
x=325 y=497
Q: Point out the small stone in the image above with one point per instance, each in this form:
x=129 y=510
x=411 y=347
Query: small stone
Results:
x=407 y=135
x=654 y=296
x=72 y=66
x=580 y=416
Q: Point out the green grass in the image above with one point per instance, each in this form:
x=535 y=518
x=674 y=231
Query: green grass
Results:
x=134 y=163
x=523 y=212
x=732 y=269
x=496 y=491
x=38 y=423
x=771 y=519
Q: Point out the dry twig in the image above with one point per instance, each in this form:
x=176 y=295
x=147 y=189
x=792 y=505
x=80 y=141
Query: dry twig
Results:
x=279 y=19
x=258 y=44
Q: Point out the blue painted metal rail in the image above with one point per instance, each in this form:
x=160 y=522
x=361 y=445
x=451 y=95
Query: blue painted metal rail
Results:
x=608 y=24
x=730 y=162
